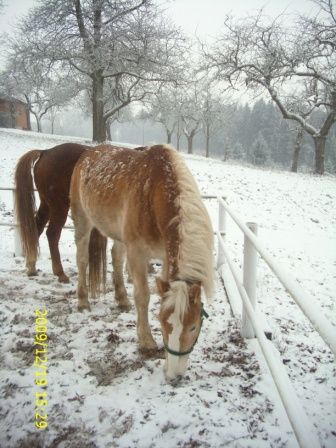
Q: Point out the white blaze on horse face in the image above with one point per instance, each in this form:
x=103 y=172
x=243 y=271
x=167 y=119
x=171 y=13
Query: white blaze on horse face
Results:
x=175 y=365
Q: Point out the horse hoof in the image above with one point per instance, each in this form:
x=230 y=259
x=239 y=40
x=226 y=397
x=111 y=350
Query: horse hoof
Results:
x=32 y=273
x=124 y=306
x=175 y=381
x=63 y=278
x=150 y=353
x=84 y=307
x=149 y=346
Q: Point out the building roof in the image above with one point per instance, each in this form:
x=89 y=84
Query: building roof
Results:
x=10 y=98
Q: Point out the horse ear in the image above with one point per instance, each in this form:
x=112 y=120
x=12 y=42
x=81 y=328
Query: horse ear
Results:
x=195 y=292
x=162 y=286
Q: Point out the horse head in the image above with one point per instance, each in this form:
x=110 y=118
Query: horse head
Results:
x=181 y=315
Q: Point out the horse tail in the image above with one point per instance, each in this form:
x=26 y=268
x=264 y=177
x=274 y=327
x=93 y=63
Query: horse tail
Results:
x=97 y=262
x=25 y=207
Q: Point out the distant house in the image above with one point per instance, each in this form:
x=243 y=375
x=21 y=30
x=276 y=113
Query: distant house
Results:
x=13 y=113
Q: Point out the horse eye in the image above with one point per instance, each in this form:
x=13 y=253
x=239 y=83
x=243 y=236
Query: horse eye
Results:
x=192 y=329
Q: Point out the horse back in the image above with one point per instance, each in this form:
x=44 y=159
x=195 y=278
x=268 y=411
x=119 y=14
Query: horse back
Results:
x=52 y=172
x=128 y=194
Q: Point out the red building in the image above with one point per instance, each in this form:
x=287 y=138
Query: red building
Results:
x=13 y=113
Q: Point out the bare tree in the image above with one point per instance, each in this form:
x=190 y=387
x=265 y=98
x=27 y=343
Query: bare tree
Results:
x=297 y=147
x=36 y=84
x=122 y=91
x=51 y=115
x=164 y=107
x=103 y=40
x=294 y=66
x=214 y=112
x=191 y=115
x=188 y=108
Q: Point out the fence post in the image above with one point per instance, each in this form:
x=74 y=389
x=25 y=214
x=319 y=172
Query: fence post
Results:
x=17 y=240
x=222 y=232
x=249 y=280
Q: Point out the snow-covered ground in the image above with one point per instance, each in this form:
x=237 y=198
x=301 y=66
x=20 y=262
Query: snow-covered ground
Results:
x=102 y=393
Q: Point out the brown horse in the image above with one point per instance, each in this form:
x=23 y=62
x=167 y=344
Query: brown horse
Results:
x=52 y=174
x=149 y=201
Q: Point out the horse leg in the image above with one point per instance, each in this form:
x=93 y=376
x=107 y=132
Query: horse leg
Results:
x=128 y=272
x=82 y=238
x=56 y=224
x=151 y=270
x=138 y=265
x=118 y=255
x=41 y=219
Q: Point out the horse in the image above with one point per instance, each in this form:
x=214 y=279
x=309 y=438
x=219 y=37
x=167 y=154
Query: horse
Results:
x=52 y=174
x=149 y=202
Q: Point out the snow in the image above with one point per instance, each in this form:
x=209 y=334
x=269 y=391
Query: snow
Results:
x=102 y=393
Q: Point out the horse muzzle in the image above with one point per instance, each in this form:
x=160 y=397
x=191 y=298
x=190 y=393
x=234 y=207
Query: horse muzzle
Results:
x=175 y=368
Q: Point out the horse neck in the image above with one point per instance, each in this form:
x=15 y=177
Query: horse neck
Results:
x=173 y=246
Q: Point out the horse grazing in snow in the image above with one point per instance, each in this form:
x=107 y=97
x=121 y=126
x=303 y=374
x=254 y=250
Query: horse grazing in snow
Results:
x=52 y=174
x=149 y=201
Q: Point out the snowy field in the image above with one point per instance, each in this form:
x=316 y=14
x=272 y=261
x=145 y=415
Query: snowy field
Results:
x=102 y=393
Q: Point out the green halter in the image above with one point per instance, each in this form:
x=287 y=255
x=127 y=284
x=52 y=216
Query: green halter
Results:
x=176 y=353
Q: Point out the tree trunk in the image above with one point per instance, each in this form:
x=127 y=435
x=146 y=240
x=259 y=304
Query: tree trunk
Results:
x=108 y=125
x=190 y=143
x=207 y=140
x=178 y=136
x=169 y=135
x=98 y=122
x=297 y=148
x=319 y=154
x=108 y=132
x=52 y=120
x=38 y=123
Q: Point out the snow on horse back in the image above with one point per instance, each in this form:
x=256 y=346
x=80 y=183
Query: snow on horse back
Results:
x=149 y=202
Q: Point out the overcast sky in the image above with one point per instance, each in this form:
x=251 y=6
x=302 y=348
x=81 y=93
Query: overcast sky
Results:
x=203 y=16
x=207 y=16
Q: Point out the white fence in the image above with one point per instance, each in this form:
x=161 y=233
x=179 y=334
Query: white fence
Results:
x=253 y=323
x=253 y=326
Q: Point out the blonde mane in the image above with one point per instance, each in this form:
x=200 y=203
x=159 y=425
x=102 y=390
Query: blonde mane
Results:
x=195 y=260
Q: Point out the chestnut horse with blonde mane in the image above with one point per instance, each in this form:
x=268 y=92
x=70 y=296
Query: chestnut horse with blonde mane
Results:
x=149 y=201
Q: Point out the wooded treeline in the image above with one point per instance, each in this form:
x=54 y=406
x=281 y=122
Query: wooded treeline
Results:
x=258 y=135
x=252 y=134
